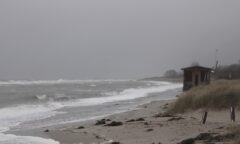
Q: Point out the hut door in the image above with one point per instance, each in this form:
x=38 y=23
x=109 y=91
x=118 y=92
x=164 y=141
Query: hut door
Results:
x=196 y=80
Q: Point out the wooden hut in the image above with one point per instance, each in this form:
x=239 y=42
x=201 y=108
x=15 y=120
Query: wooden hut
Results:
x=196 y=75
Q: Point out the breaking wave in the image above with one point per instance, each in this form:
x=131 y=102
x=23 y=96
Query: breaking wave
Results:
x=128 y=94
x=41 y=97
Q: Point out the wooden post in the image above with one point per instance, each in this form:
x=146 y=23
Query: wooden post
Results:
x=232 y=114
x=204 y=118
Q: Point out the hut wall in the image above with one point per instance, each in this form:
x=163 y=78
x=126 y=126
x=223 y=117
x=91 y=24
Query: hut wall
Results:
x=194 y=75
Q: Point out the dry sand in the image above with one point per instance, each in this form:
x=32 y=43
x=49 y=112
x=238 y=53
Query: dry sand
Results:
x=157 y=130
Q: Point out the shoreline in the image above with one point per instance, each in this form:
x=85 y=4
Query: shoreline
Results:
x=40 y=132
x=58 y=128
x=37 y=131
x=142 y=126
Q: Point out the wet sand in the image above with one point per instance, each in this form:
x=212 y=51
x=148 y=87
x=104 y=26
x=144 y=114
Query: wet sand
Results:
x=145 y=125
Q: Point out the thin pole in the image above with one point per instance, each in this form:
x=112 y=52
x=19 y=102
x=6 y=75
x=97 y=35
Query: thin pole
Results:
x=216 y=60
x=204 y=118
x=232 y=114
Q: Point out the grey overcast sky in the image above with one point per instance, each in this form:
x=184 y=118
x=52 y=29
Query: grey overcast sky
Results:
x=114 y=39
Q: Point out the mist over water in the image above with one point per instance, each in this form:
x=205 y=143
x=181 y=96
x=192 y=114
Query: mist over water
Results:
x=82 y=39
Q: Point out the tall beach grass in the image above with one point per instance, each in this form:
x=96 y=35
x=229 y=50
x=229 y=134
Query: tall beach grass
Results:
x=220 y=94
x=236 y=132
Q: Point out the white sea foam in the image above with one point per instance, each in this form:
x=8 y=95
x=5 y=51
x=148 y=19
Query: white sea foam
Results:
x=13 y=116
x=41 y=97
x=13 y=139
x=128 y=94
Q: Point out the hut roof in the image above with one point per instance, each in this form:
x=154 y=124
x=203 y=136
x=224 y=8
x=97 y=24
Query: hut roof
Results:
x=197 y=68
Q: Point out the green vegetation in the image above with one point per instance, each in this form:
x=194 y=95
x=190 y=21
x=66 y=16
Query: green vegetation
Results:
x=218 y=95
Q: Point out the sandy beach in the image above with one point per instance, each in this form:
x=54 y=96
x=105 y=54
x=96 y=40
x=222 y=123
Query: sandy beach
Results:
x=146 y=125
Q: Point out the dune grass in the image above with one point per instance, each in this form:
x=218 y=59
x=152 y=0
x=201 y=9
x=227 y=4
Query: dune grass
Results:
x=236 y=132
x=220 y=94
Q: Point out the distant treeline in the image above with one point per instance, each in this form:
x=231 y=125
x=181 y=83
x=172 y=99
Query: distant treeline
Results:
x=173 y=74
x=221 y=72
x=170 y=75
x=227 y=72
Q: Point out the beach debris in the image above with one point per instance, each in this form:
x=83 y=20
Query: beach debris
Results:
x=162 y=115
x=165 y=106
x=161 y=125
x=222 y=127
x=193 y=118
x=47 y=130
x=114 y=123
x=134 y=120
x=98 y=137
x=209 y=138
x=131 y=120
x=204 y=136
x=101 y=122
x=140 y=119
x=81 y=127
x=149 y=130
x=111 y=142
x=146 y=123
x=187 y=141
x=115 y=143
x=175 y=119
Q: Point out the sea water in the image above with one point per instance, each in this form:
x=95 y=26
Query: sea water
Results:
x=26 y=105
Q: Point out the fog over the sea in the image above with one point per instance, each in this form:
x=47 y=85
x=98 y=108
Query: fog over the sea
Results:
x=114 y=39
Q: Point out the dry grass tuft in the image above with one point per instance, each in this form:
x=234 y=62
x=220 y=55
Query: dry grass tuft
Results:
x=235 y=130
x=218 y=95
